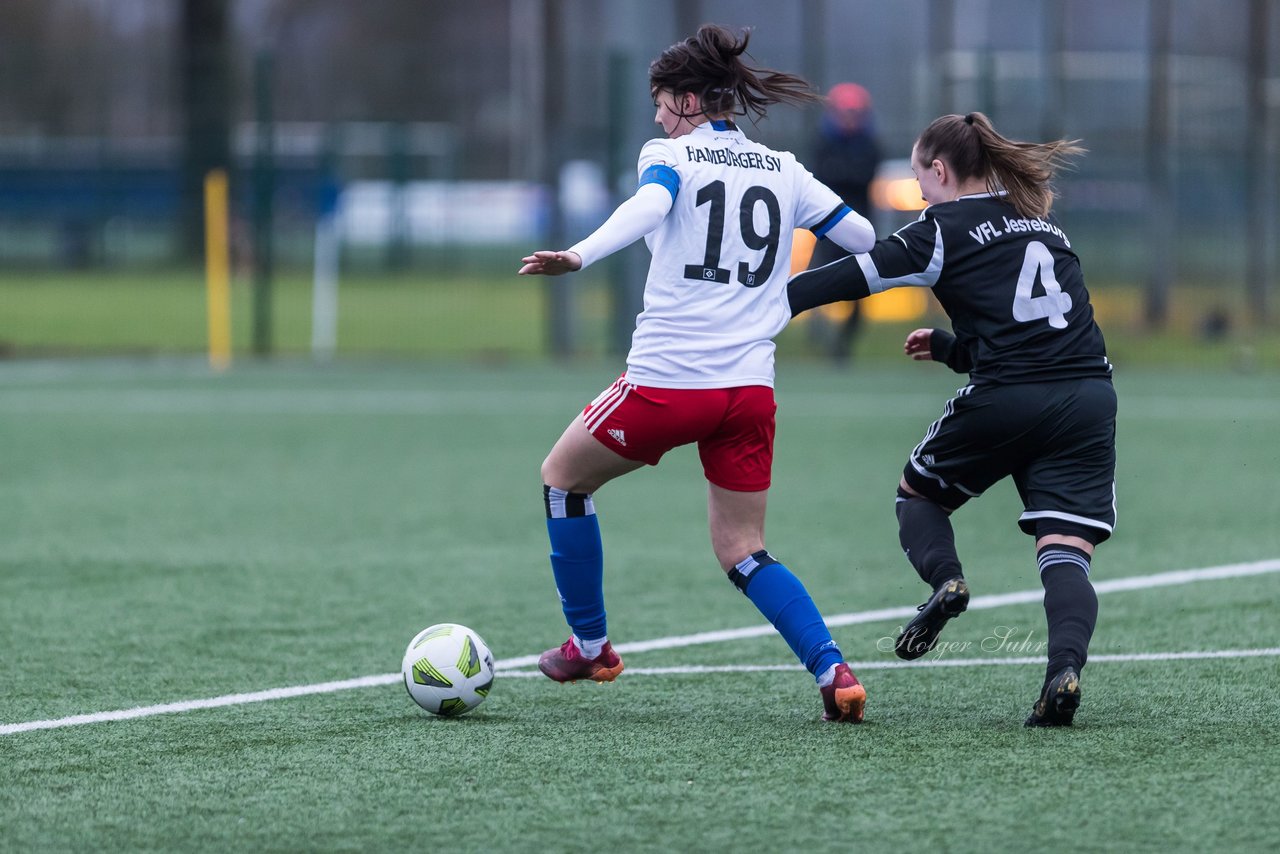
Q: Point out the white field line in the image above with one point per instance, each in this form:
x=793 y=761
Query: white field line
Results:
x=210 y=703
x=978 y=603
x=1137 y=582
x=858 y=666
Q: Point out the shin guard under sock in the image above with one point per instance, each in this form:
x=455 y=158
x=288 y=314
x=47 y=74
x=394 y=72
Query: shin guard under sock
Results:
x=577 y=560
x=1070 y=606
x=924 y=530
x=784 y=602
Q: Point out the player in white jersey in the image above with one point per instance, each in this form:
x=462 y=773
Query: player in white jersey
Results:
x=715 y=295
x=718 y=212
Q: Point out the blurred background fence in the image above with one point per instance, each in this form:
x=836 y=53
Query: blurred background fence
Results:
x=390 y=161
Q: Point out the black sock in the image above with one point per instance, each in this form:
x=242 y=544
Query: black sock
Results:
x=1070 y=605
x=924 y=530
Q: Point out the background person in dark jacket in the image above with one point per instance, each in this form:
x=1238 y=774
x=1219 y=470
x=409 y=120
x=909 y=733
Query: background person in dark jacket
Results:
x=845 y=157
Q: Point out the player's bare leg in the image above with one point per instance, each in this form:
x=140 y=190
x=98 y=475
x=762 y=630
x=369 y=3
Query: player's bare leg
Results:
x=737 y=537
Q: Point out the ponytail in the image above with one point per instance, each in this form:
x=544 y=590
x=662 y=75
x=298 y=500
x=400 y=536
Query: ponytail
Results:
x=709 y=64
x=1024 y=171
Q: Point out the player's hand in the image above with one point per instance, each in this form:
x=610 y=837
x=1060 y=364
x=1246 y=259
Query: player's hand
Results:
x=917 y=345
x=545 y=262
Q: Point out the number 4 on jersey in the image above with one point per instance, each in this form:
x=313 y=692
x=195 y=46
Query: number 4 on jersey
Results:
x=1054 y=305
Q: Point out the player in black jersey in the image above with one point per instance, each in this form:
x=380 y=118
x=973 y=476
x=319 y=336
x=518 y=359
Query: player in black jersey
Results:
x=1040 y=406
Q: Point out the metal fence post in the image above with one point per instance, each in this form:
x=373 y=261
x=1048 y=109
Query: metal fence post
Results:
x=263 y=198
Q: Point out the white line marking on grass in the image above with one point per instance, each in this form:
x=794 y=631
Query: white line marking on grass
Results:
x=210 y=703
x=977 y=603
x=858 y=666
x=1137 y=582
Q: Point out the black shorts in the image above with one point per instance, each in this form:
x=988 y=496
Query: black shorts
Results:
x=1057 y=439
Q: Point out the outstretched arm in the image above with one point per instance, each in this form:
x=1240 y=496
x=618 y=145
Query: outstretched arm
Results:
x=834 y=282
x=633 y=219
x=910 y=257
x=853 y=233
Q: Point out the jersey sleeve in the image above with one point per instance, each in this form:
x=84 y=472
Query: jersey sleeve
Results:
x=657 y=165
x=821 y=210
x=818 y=208
x=632 y=219
x=910 y=257
x=659 y=183
x=950 y=351
x=852 y=232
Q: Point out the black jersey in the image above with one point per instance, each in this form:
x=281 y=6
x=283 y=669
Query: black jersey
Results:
x=1011 y=285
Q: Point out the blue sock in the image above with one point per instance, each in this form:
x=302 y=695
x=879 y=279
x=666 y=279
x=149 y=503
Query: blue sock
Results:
x=577 y=560
x=783 y=600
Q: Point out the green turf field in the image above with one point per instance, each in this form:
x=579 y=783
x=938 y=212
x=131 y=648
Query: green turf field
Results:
x=485 y=315
x=172 y=535
x=493 y=315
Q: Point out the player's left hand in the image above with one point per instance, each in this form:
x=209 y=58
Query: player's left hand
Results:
x=546 y=262
x=917 y=345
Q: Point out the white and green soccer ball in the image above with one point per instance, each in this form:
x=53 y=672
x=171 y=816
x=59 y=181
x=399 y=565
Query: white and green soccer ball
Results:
x=448 y=669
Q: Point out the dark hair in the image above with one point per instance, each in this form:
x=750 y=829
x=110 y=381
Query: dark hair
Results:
x=709 y=65
x=973 y=149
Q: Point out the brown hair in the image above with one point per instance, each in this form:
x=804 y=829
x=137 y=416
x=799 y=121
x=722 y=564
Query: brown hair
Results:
x=710 y=66
x=973 y=149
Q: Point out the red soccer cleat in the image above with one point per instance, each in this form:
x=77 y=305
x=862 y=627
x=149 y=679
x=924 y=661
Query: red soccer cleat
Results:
x=566 y=664
x=845 y=698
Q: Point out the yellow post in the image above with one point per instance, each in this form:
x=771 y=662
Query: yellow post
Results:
x=217 y=267
x=803 y=242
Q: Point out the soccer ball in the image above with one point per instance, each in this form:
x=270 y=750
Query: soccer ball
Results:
x=448 y=669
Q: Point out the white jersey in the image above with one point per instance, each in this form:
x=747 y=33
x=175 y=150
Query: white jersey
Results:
x=716 y=293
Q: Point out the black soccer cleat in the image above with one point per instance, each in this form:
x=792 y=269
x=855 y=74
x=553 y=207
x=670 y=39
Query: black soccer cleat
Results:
x=921 y=634
x=1058 y=701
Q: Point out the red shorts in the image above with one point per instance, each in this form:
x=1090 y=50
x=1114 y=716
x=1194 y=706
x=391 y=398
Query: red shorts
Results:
x=732 y=426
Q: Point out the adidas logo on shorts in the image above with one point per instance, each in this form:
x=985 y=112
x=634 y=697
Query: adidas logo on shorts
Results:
x=618 y=437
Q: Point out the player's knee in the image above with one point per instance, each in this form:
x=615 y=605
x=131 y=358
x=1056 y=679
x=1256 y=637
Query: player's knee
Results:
x=555 y=473
x=729 y=555
x=907 y=499
x=1063 y=530
x=550 y=475
x=947 y=499
x=730 y=548
x=900 y=502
